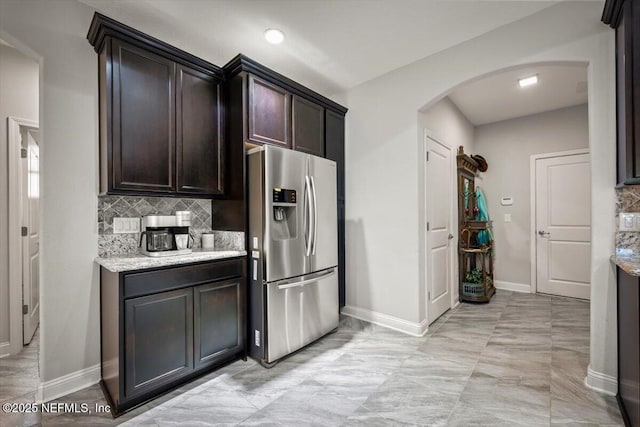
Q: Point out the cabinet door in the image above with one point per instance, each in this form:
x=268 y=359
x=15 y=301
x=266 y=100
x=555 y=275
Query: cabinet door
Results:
x=219 y=325
x=143 y=115
x=269 y=113
x=199 y=133
x=308 y=126
x=334 y=125
x=158 y=340
x=629 y=345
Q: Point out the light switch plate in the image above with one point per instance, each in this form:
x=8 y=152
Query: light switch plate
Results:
x=126 y=225
x=629 y=221
x=507 y=217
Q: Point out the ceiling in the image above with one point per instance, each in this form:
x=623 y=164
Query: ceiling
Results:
x=331 y=45
x=499 y=97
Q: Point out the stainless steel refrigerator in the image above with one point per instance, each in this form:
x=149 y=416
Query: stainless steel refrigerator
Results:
x=293 y=239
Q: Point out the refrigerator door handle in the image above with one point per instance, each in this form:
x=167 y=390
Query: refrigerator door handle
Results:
x=308 y=216
x=315 y=217
x=286 y=284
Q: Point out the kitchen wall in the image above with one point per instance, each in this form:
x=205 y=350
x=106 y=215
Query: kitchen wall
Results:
x=109 y=207
x=445 y=122
x=383 y=147
x=508 y=146
x=19 y=87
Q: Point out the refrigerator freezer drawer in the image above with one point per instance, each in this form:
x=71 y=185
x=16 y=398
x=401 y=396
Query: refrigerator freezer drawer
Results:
x=300 y=310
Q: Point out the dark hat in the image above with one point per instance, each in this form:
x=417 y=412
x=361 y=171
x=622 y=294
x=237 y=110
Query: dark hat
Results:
x=482 y=163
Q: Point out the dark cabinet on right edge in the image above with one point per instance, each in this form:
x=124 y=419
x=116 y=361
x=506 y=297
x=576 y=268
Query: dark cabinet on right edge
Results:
x=629 y=347
x=624 y=16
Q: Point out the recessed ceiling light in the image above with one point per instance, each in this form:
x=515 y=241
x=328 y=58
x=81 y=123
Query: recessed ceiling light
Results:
x=274 y=36
x=528 y=81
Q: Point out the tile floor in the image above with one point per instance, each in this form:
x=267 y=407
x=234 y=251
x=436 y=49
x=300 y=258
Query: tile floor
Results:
x=19 y=374
x=521 y=360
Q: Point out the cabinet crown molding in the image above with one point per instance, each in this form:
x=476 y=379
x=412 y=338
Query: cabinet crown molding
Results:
x=243 y=63
x=102 y=27
x=612 y=11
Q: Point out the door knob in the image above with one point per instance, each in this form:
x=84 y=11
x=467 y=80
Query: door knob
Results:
x=450 y=236
x=544 y=233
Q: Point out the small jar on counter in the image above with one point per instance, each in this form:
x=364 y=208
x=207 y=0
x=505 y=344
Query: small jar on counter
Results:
x=207 y=241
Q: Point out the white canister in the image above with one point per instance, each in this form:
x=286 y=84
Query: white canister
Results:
x=207 y=241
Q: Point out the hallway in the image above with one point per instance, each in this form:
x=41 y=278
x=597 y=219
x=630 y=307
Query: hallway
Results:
x=520 y=360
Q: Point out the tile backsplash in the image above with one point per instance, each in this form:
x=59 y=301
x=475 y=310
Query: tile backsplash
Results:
x=627 y=200
x=110 y=207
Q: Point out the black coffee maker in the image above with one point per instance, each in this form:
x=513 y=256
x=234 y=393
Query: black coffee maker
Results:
x=165 y=235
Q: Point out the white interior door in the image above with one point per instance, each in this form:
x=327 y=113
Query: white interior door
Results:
x=439 y=197
x=31 y=236
x=563 y=225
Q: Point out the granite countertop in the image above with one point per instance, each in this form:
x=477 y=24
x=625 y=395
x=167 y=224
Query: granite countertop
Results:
x=628 y=260
x=122 y=263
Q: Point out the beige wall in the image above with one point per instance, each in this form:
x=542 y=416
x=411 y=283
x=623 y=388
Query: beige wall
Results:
x=56 y=30
x=508 y=146
x=19 y=91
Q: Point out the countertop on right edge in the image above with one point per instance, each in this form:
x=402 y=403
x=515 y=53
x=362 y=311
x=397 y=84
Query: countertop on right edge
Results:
x=628 y=260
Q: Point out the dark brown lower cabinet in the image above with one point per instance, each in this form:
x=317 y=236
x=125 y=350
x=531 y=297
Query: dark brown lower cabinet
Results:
x=163 y=327
x=158 y=339
x=218 y=321
x=629 y=347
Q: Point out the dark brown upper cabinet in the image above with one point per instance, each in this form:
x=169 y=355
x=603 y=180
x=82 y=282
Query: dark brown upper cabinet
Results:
x=199 y=133
x=161 y=116
x=143 y=117
x=269 y=113
x=308 y=126
x=268 y=108
x=624 y=17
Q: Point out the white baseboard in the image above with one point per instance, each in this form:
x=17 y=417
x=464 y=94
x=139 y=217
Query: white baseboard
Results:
x=511 y=286
x=5 y=349
x=600 y=382
x=68 y=384
x=391 y=322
